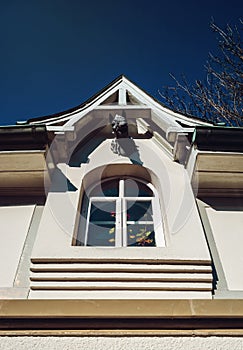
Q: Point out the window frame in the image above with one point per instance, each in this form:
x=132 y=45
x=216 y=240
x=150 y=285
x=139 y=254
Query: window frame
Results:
x=121 y=220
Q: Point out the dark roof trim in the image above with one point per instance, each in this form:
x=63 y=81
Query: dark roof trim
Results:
x=227 y=139
x=73 y=109
x=23 y=137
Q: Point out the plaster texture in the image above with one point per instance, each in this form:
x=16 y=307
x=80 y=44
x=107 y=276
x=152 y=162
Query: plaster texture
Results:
x=121 y=343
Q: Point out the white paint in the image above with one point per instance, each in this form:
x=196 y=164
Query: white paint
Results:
x=183 y=229
x=227 y=231
x=184 y=235
x=121 y=294
x=15 y=221
x=122 y=97
x=170 y=117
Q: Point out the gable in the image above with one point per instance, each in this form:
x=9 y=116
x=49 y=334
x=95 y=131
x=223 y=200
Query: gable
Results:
x=119 y=93
x=121 y=97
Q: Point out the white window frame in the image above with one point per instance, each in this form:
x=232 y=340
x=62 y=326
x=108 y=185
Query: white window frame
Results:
x=121 y=211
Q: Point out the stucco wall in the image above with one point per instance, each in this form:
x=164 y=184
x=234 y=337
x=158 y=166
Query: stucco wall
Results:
x=177 y=212
x=183 y=229
x=121 y=343
x=227 y=230
x=15 y=221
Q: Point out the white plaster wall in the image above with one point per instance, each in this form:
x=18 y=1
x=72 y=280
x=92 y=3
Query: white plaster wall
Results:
x=183 y=230
x=227 y=227
x=121 y=343
x=184 y=236
x=14 y=225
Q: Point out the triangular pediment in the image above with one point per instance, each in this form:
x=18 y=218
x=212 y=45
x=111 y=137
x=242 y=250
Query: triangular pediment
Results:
x=121 y=94
x=112 y=99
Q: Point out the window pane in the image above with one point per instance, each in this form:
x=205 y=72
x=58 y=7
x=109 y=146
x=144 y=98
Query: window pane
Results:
x=103 y=211
x=141 y=235
x=106 y=189
x=101 y=235
x=139 y=211
x=101 y=230
x=135 y=188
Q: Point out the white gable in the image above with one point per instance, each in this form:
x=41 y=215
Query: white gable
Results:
x=125 y=95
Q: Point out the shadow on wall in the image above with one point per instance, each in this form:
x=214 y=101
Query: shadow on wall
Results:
x=224 y=203
x=82 y=152
x=126 y=147
x=60 y=183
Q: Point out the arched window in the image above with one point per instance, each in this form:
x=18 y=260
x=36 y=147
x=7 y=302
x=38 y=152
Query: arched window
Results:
x=121 y=212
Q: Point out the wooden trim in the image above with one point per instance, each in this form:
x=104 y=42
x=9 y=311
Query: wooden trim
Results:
x=191 y=308
x=121 y=318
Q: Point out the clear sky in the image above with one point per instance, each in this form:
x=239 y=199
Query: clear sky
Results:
x=57 y=53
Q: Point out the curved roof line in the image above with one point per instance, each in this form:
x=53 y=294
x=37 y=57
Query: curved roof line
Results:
x=98 y=94
x=83 y=104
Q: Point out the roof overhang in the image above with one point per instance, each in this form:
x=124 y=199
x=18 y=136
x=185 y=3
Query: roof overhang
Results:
x=215 y=161
x=23 y=169
x=122 y=88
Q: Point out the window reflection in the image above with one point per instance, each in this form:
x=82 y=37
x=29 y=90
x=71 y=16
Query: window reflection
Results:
x=118 y=213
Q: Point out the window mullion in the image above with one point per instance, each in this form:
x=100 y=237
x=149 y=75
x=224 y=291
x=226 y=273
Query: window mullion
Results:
x=87 y=224
x=124 y=222
x=121 y=240
x=118 y=236
x=121 y=188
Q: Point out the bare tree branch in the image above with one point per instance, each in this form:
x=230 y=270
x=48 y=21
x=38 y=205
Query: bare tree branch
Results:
x=219 y=97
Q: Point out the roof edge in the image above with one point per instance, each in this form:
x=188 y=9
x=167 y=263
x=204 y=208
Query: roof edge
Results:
x=73 y=109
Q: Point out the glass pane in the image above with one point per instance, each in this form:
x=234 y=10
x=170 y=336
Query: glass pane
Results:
x=139 y=211
x=108 y=188
x=134 y=188
x=101 y=231
x=103 y=211
x=101 y=235
x=141 y=235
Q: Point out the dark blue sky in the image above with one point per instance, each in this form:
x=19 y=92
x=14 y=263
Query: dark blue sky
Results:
x=57 y=53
